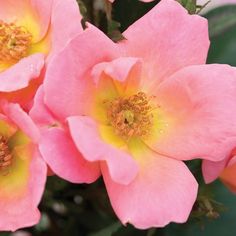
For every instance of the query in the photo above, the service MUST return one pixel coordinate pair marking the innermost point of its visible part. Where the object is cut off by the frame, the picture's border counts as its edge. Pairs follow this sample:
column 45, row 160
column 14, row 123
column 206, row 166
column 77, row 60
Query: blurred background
column 84, row 210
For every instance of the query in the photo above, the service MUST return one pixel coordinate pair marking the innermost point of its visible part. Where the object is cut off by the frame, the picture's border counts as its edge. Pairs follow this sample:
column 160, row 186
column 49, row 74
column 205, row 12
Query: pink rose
column 31, row 31
column 22, row 170
column 138, row 108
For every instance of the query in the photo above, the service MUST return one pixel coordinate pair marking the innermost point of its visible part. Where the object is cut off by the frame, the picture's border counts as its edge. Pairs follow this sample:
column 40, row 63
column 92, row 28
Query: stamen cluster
column 131, row 116
column 5, row 155
column 14, row 42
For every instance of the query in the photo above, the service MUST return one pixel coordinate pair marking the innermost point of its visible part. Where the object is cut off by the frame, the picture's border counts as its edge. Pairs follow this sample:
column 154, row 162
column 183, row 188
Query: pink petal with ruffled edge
column 65, row 78
column 19, row 75
column 65, row 23
column 211, row 170
column 118, row 69
column 55, row 28
column 20, row 198
column 21, row 211
column 168, row 39
column 37, row 10
column 42, row 10
column 39, row 112
column 84, row 132
column 23, row 121
column 204, row 126
column 163, row 191
column 64, row 159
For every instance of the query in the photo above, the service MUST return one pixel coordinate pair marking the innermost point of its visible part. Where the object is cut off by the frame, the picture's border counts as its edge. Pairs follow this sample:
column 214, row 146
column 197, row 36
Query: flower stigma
column 131, row 117
column 14, row 42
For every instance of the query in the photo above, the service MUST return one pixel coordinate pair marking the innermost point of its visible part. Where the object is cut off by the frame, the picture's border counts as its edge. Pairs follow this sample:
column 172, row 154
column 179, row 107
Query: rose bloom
column 31, row 31
column 22, row 170
column 138, row 109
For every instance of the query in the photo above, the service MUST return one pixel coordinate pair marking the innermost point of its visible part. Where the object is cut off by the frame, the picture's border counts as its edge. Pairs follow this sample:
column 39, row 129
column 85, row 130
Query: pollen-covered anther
column 5, row 154
column 14, row 42
column 131, row 116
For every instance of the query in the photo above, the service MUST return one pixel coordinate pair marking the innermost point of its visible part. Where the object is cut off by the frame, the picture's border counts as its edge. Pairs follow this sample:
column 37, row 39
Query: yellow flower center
column 5, row 154
column 14, row 42
column 132, row 116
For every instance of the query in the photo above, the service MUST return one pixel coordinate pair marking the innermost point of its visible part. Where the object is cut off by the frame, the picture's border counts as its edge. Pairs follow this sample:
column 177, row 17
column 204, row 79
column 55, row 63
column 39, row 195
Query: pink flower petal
column 118, row 69
column 232, row 160
column 19, row 75
column 204, row 127
column 42, row 10
column 71, row 81
column 9, row 11
column 22, row 120
column 168, row 39
column 21, row 210
column 36, row 10
column 228, row 175
column 211, row 170
column 65, row 23
column 64, row 159
column 163, row 191
column 122, row 167
column 39, row 112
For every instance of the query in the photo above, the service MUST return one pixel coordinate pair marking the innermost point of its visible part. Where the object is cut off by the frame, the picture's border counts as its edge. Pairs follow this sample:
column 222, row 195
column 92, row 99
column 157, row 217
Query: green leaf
column 221, row 19
column 82, row 6
column 190, row 5
column 223, row 46
column 223, row 225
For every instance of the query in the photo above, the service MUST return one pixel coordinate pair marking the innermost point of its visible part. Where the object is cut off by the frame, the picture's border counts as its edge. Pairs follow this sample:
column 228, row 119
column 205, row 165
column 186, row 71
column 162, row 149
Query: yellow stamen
column 5, row 154
column 131, row 116
column 14, row 42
